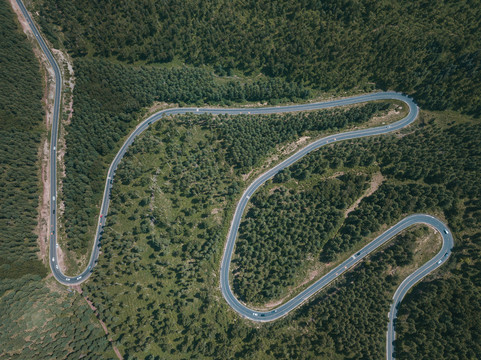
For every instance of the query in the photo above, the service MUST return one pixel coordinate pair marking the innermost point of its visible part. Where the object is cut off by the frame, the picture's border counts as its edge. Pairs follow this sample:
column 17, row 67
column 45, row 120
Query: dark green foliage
column 283, row 228
column 352, row 318
column 440, row 319
column 108, row 99
column 248, row 138
column 386, row 206
column 426, row 48
column 20, row 118
column 168, row 299
column 440, row 168
column 158, row 291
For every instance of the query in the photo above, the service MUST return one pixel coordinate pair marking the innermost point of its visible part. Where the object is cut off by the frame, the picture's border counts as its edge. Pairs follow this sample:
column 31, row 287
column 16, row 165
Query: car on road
column 440, row 261
column 79, row 278
column 53, row 259
column 255, row 314
column 56, row 267
column 446, row 231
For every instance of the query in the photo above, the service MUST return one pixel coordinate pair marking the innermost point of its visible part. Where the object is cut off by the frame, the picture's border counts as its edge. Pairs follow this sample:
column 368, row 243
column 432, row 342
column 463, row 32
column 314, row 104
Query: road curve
column 243, row 310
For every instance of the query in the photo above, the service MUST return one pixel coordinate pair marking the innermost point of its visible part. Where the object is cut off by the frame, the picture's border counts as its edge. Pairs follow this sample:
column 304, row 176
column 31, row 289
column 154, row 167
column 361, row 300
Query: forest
column 21, row 117
column 422, row 180
column 430, row 49
column 172, row 203
column 283, row 227
column 108, row 101
column 38, row 318
column 156, row 283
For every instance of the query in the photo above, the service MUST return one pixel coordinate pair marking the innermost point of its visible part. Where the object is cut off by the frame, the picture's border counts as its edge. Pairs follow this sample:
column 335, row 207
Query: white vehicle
column 53, row 198
column 54, row 148
column 53, row 259
column 440, row 261
column 255, row 314
column 67, row 279
column 56, row 267
column 446, row 231
column 79, row 278
column 196, row 109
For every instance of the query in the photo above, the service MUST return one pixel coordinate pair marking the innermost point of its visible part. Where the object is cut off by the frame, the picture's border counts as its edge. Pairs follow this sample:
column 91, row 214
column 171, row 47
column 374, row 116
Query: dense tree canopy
column 20, row 120
column 427, row 48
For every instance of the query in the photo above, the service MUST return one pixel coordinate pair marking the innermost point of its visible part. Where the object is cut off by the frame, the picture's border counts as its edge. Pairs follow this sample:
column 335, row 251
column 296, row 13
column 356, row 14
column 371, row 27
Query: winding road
column 240, row 308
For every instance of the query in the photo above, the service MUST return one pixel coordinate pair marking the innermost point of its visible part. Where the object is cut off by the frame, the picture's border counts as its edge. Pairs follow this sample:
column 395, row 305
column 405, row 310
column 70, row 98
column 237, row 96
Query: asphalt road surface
column 240, row 308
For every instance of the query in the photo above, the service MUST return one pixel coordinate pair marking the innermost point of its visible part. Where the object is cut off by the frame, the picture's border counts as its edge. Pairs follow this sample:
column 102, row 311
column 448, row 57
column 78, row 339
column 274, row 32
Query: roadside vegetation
column 295, row 226
column 285, row 229
column 156, row 284
column 38, row 319
column 171, row 206
column 108, row 100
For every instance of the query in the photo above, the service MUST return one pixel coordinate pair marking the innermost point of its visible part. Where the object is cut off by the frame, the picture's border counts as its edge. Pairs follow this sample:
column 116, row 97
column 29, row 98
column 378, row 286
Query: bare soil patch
column 43, row 212
column 376, row 181
column 289, row 148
